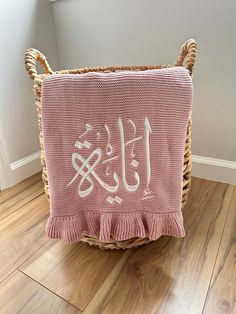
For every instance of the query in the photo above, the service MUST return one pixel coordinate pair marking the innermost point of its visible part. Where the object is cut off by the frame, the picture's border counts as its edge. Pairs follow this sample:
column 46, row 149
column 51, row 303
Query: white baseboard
column 20, row 170
column 25, row 161
column 25, row 167
column 214, row 169
column 203, row 167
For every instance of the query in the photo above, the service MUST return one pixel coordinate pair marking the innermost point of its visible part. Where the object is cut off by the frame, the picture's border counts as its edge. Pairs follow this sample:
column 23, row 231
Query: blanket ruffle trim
column 107, row 226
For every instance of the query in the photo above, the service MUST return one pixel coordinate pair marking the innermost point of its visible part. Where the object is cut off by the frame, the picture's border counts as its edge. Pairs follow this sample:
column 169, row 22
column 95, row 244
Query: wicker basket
column 188, row 53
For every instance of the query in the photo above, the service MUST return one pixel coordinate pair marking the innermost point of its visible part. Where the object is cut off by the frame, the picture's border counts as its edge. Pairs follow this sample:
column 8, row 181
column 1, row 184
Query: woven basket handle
column 31, row 57
column 188, row 53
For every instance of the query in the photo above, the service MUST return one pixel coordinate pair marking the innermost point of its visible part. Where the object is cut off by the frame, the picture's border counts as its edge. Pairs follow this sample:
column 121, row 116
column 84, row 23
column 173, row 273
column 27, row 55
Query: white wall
column 111, row 32
column 23, row 24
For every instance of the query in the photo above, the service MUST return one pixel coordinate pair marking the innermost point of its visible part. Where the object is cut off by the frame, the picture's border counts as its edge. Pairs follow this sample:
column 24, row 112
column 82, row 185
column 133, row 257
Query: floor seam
column 49, row 289
column 217, row 254
column 17, row 268
column 130, row 254
column 22, row 206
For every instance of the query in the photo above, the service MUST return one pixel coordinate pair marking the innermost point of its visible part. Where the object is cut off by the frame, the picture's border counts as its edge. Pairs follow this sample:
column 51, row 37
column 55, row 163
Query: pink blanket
column 114, row 146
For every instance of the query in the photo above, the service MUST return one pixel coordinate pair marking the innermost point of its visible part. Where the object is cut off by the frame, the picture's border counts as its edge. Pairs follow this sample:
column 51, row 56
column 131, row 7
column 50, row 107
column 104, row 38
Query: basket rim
column 108, row 69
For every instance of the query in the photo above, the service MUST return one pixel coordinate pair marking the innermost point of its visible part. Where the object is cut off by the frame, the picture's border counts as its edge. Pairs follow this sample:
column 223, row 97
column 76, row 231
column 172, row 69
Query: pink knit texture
column 114, row 147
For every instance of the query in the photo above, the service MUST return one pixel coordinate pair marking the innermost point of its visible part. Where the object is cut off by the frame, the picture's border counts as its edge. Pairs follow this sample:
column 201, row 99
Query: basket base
column 113, row 244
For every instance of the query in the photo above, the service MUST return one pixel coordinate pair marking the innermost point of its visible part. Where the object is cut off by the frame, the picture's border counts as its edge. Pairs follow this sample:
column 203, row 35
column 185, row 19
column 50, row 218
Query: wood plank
column 22, row 233
column 73, row 271
column 20, row 294
column 19, row 195
column 108, row 283
column 172, row 275
column 222, row 292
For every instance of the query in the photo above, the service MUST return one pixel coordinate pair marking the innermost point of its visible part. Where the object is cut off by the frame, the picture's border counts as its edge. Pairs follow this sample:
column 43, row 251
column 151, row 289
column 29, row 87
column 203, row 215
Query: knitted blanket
column 114, row 147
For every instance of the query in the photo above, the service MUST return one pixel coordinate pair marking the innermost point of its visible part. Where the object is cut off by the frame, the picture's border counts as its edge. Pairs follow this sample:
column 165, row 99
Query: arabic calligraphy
column 86, row 169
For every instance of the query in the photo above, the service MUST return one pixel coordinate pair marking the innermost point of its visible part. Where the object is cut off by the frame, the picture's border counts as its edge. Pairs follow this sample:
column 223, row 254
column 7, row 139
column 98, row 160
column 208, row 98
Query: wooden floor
column 195, row 274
